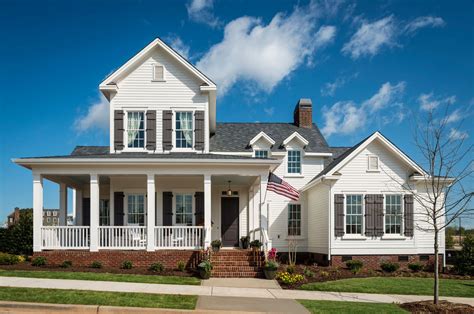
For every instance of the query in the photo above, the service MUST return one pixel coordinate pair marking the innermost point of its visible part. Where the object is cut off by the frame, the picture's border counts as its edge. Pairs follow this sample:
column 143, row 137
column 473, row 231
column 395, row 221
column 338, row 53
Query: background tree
column 443, row 191
column 18, row 239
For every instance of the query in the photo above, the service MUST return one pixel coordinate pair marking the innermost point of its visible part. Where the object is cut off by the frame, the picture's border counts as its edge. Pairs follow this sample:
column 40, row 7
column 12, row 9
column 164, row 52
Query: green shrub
column 181, row 266
column 389, row 267
column 18, row 239
column 9, row 259
column 39, row 261
column 127, row 265
column 256, row 244
column 324, row 274
column 354, row 265
column 308, row 273
column 96, row 264
column 66, row 264
column 271, row 265
column 156, row 267
column 415, row 267
column 291, row 269
column 464, row 263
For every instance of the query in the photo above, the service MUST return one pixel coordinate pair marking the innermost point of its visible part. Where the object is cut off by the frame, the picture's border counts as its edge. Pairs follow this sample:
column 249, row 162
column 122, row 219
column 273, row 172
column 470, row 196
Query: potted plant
column 245, row 242
column 255, row 245
column 205, row 268
column 270, row 269
column 216, row 245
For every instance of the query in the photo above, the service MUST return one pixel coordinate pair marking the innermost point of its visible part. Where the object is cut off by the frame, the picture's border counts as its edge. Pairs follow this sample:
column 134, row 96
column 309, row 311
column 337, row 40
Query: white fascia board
column 318, row 154
column 233, row 153
column 260, row 135
column 319, row 180
column 297, row 136
column 144, row 51
column 384, row 141
column 205, row 88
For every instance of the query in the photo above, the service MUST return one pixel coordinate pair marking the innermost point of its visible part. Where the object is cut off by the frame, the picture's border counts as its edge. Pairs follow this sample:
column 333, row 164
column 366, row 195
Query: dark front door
column 230, row 221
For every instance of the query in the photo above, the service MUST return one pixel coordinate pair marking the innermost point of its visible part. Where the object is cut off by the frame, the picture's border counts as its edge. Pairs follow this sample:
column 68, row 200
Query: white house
column 173, row 179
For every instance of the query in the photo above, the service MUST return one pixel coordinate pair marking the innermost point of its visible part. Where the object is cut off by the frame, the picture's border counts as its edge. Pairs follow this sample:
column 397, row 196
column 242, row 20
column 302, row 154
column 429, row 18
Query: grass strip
column 339, row 307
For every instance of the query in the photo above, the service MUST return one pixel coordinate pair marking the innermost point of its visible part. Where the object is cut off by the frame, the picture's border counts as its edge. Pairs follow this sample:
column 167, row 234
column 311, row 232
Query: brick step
column 236, row 268
column 252, row 274
column 236, row 263
column 233, row 258
column 237, row 253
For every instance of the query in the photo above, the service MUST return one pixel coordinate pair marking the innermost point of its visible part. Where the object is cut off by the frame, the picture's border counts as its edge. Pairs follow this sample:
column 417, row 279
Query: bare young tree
column 443, row 191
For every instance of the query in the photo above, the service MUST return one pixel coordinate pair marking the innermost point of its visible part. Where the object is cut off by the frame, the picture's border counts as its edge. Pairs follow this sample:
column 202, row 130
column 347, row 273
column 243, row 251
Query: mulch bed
column 113, row 270
column 441, row 307
column 327, row 273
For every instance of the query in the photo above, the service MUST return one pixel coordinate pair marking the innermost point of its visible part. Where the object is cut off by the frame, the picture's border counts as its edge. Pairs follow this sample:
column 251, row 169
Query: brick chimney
column 303, row 115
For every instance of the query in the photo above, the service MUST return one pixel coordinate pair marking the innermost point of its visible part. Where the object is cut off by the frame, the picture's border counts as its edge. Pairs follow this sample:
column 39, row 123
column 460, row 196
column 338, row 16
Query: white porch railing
column 122, row 237
column 64, row 237
column 179, row 237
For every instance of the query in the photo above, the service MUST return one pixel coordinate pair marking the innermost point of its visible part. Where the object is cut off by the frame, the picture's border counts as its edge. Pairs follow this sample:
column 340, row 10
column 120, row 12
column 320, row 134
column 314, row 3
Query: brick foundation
column 374, row 261
column 111, row 258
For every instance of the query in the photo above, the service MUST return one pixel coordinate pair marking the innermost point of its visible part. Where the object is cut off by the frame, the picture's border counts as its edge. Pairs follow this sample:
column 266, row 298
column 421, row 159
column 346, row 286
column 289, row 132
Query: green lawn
column 350, row 307
column 174, row 280
column 396, row 285
column 98, row 298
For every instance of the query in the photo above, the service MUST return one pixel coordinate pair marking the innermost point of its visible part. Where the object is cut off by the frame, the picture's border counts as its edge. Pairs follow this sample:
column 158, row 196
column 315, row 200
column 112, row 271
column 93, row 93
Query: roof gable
column 264, row 136
column 295, row 136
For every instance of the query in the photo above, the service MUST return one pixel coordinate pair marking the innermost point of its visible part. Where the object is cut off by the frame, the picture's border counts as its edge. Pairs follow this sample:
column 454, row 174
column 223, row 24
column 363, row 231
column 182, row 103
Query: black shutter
column 378, row 212
column 167, row 208
column 151, row 130
column 408, row 213
column 199, row 208
column 118, row 208
column 118, row 129
column 199, row 130
column 167, row 129
column 339, row 215
column 86, row 211
column 370, row 215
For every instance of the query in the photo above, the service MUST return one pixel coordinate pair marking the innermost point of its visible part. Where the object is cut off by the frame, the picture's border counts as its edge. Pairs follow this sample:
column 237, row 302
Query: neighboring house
column 173, row 179
column 51, row 217
column 13, row 218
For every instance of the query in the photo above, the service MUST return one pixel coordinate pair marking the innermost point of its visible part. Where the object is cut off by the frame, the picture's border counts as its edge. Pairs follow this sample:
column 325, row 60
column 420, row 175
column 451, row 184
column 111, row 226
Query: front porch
column 151, row 211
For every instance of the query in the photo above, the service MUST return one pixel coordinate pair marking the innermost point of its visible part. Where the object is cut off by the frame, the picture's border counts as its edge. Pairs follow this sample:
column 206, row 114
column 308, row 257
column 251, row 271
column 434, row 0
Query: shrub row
column 389, row 267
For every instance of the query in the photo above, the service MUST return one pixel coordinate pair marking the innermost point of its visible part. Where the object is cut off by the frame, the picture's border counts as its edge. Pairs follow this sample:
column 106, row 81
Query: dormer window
column 158, row 73
column 261, row 153
column 373, row 163
column 184, row 129
column 135, row 129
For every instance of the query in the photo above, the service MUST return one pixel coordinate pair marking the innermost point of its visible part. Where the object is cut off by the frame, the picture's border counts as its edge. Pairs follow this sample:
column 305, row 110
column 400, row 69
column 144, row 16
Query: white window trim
column 185, row 192
column 295, row 237
column 153, row 72
column 355, row 236
column 368, row 163
column 125, row 133
column 125, row 218
column 294, row 175
column 180, row 149
column 394, row 236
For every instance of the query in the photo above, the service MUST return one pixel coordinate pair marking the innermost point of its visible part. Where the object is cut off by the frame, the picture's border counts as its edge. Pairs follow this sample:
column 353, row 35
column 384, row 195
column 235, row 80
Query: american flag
column 277, row 185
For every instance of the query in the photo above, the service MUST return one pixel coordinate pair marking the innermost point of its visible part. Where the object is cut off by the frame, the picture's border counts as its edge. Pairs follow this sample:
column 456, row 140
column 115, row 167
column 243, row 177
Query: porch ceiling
column 235, row 180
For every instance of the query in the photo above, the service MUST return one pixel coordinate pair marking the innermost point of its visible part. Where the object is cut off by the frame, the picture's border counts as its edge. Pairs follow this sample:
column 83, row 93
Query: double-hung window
column 393, row 214
column 104, row 213
column 354, row 214
column 294, row 219
column 136, row 209
column 135, row 129
column 261, row 153
column 184, row 209
column 184, row 129
column 294, row 161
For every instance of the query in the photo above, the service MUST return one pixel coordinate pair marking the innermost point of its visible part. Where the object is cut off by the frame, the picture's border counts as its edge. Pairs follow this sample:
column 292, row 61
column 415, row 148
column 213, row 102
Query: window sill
column 353, row 237
column 393, row 237
column 295, row 238
column 159, row 81
column 374, row 171
column 293, row 176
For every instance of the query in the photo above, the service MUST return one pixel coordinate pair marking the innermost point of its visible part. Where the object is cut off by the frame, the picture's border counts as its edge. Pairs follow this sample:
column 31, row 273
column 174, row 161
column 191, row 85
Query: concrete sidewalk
column 216, row 291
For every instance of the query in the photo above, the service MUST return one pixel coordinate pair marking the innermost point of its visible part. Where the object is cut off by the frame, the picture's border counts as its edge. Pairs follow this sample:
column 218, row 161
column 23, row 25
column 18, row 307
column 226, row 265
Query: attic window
column 373, row 163
column 158, row 73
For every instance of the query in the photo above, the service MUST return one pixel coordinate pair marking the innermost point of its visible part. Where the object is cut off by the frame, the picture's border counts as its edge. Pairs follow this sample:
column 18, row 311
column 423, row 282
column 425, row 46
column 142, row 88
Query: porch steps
column 237, row 263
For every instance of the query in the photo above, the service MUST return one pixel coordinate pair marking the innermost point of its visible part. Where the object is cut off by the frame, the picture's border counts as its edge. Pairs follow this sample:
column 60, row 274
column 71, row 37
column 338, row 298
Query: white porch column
column 78, row 201
column 37, row 211
column 74, row 204
column 207, row 211
column 62, row 204
column 94, row 215
column 150, row 220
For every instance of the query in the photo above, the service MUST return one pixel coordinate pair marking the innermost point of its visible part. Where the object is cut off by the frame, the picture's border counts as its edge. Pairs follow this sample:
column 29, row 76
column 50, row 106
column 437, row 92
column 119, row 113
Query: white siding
column 318, row 215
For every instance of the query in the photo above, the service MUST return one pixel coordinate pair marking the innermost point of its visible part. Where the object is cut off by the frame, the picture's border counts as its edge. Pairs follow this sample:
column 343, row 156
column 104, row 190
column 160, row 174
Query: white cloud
column 265, row 54
column 97, row 117
column 200, row 11
column 346, row 117
column 428, row 102
column 269, row 111
column 371, row 37
column 329, row 88
column 458, row 135
column 454, row 116
column 424, row 21
column 177, row 44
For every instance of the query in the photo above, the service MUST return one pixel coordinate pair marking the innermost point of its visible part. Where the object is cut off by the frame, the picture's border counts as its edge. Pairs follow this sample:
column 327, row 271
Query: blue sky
column 366, row 65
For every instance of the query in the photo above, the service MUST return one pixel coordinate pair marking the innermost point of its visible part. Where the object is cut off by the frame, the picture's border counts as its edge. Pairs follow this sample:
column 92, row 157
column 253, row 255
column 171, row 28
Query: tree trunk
column 436, row 272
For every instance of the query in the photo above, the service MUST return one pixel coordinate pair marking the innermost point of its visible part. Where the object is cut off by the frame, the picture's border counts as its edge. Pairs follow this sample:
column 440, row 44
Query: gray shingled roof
column 235, row 137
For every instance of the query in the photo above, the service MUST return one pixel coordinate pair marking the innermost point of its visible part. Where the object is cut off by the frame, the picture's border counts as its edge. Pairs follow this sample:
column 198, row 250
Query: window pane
column 294, row 219
column 354, row 214
column 135, row 129
column 136, row 209
column 294, row 161
column 261, row 154
column 184, row 209
column 393, row 214
column 184, row 129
